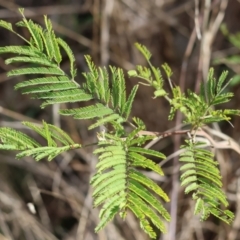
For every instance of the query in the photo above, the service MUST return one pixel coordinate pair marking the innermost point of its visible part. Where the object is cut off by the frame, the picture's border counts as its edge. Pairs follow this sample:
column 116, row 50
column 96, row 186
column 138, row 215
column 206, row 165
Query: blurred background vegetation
column 185, row 34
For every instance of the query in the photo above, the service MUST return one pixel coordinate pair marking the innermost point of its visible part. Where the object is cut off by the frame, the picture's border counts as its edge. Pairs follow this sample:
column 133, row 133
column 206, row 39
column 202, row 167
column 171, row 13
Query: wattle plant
column 119, row 185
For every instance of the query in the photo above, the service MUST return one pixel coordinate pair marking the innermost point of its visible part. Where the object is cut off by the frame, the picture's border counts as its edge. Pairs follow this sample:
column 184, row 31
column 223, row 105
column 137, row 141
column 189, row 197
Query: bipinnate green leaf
column 119, row 185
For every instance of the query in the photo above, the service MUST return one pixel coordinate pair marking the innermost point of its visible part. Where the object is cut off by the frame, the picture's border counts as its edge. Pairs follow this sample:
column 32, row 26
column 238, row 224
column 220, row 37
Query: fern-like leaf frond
column 202, row 177
column 11, row 139
column 119, row 186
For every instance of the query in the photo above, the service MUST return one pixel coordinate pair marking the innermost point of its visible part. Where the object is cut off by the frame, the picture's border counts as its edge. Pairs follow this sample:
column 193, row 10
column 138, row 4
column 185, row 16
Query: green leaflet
column 53, row 48
column 89, row 112
column 128, row 106
column 38, row 70
column 114, row 180
column 42, row 81
column 46, row 89
column 21, row 50
column 100, row 177
column 103, row 85
column 198, row 206
column 9, row 147
column 121, row 90
column 118, row 89
column 114, row 201
column 76, row 94
column 71, row 57
column 140, row 161
column 139, row 141
column 104, row 120
column 112, row 211
column 64, row 97
column 109, row 161
column 132, row 135
column 111, row 154
column 144, row 223
column 91, row 77
column 191, row 187
column 109, row 148
column 188, row 180
column 34, row 30
column 108, row 193
column 35, row 60
column 107, row 165
column 147, row 152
